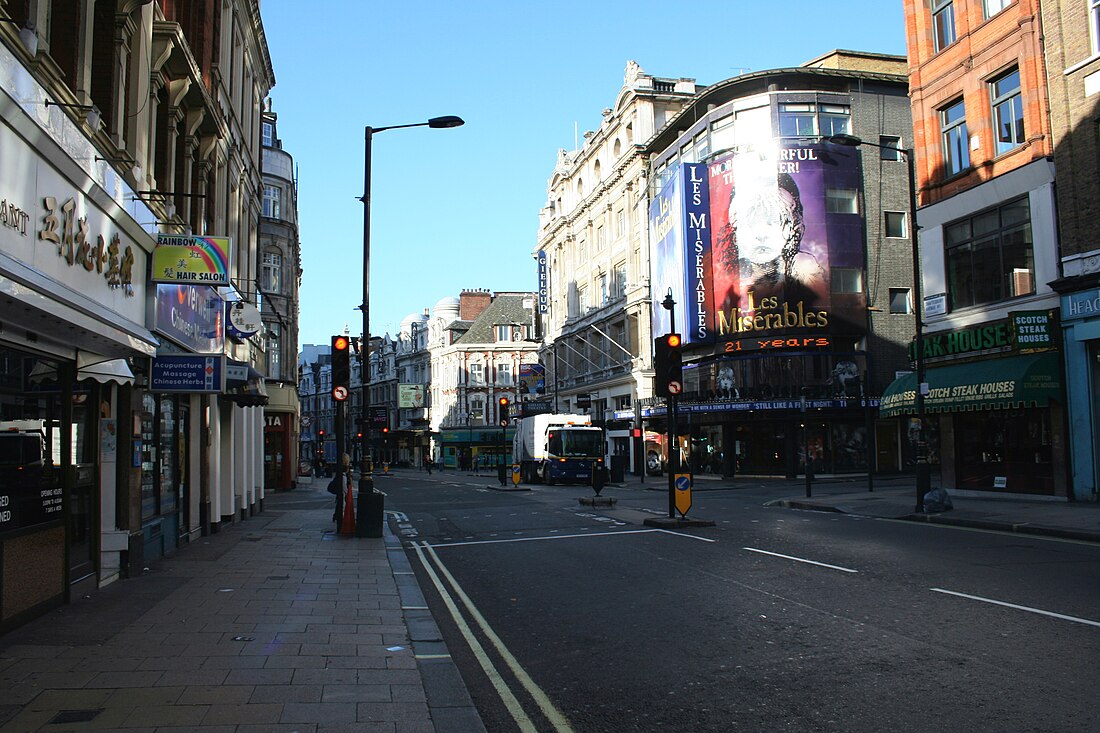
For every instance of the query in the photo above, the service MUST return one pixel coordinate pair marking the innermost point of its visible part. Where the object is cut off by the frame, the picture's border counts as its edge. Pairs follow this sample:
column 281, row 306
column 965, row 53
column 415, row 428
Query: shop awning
column 102, row 369
column 247, row 392
column 1012, row 381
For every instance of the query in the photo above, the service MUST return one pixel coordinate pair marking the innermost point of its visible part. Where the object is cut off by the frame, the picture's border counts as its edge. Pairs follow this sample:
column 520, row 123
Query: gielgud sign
column 776, row 257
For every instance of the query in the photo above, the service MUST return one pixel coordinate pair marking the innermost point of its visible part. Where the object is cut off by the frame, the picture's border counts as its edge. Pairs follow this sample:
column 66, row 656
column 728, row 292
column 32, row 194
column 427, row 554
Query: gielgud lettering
column 769, row 315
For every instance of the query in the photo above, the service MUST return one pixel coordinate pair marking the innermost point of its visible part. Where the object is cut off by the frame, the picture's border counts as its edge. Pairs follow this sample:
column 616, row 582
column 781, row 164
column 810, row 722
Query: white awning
column 102, row 369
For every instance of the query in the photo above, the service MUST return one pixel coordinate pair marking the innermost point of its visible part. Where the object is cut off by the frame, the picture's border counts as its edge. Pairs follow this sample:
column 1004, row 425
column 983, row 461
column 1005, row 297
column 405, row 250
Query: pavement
column 274, row 624
column 278, row 624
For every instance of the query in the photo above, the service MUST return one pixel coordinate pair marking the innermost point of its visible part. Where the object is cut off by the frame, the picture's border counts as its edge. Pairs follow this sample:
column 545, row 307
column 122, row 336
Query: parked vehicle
column 558, row 448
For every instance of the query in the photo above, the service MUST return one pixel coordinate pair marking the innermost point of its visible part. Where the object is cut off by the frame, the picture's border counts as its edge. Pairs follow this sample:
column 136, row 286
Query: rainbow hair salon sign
column 193, row 260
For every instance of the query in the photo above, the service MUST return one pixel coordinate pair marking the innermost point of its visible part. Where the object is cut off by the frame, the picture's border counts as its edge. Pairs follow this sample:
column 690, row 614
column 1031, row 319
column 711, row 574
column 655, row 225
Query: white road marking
column 1018, row 608
column 565, row 537
column 800, row 559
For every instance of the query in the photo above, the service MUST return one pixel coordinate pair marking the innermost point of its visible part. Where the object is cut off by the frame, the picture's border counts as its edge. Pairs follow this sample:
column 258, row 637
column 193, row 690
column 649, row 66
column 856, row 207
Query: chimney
column 472, row 303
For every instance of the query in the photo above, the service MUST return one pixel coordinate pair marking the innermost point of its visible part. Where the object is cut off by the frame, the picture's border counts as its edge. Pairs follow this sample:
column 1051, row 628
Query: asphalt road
column 564, row 617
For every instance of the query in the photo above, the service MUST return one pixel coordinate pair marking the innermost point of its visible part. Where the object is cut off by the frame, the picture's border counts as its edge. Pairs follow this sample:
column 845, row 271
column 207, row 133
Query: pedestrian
column 338, row 486
column 428, row 464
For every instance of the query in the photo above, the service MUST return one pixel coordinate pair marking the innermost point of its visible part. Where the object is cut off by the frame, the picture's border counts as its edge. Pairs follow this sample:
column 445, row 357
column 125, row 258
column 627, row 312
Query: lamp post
column 923, row 470
column 366, row 482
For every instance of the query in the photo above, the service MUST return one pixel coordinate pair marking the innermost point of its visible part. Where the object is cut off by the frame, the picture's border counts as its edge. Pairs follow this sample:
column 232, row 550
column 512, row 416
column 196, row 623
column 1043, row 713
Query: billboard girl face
column 765, row 228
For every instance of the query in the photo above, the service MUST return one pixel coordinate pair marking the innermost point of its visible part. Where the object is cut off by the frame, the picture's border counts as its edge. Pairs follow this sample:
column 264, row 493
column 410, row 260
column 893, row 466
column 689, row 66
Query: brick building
column 988, row 239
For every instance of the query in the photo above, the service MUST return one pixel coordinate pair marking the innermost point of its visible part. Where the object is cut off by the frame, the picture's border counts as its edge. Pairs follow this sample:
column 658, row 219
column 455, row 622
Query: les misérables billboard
column 784, row 258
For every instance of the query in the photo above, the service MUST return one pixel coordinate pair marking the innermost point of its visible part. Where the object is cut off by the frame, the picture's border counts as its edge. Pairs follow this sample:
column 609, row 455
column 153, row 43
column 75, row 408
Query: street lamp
column 923, row 472
column 366, row 482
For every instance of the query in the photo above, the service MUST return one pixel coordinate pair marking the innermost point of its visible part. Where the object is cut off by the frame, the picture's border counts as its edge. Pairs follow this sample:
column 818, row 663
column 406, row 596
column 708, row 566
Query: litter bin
column 618, row 469
column 371, row 510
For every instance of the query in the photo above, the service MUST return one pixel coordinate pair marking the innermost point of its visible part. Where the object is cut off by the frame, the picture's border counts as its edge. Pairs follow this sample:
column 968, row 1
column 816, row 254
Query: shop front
column 1000, row 422
column 1081, row 343
column 475, row 448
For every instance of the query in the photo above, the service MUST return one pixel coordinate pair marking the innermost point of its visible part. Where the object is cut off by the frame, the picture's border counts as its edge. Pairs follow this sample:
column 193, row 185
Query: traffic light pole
column 673, row 462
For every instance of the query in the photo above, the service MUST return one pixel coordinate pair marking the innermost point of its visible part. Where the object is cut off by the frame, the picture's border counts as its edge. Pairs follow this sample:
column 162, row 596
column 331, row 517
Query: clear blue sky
column 453, row 209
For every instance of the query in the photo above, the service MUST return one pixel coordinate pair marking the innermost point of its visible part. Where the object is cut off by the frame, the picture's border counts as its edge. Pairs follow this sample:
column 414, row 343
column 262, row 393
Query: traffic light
column 502, row 411
column 668, row 365
column 341, row 364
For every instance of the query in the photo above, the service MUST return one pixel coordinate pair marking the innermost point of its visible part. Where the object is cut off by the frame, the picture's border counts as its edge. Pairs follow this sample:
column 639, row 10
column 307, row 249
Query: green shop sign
column 1021, row 331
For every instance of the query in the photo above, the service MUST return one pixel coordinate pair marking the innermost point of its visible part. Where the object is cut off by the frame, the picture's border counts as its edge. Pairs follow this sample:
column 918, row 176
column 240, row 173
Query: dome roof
column 413, row 318
column 447, row 305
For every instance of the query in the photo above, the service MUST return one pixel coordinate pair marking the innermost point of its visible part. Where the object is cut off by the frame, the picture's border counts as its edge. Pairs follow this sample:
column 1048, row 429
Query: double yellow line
column 430, row 560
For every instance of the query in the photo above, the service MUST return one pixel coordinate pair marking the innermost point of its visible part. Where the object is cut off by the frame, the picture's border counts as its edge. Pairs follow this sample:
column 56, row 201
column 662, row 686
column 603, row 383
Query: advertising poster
column 667, row 260
column 776, row 247
column 410, row 395
column 532, row 379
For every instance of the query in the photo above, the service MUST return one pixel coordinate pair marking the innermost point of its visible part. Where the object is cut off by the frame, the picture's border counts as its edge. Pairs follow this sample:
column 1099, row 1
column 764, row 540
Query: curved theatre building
column 788, row 259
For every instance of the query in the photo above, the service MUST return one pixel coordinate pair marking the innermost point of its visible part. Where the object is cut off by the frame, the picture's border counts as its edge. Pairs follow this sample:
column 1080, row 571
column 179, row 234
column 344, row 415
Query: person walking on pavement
column 339, row 485
column 428, row 464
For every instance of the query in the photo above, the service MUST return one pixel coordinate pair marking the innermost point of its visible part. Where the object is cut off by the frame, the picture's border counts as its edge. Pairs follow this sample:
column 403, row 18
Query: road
column 563, row 617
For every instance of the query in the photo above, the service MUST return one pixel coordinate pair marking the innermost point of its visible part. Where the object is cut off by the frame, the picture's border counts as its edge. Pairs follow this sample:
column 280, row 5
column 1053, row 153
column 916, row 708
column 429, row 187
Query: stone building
column 593, row 256
column 122, row 122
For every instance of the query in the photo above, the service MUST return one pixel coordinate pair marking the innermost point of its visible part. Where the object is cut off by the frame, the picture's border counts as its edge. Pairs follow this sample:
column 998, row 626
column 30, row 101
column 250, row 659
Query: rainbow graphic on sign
column 193, row 260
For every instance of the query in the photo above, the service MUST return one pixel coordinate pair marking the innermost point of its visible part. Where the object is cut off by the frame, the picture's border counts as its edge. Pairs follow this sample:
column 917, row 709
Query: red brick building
column 988, row 240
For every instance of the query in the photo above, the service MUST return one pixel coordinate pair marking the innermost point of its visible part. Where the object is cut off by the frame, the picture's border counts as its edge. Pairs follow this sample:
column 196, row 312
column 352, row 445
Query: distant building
column 478, row 343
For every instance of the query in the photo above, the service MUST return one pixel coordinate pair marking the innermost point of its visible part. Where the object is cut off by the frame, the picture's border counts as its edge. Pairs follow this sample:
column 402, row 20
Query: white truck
column 558, row 448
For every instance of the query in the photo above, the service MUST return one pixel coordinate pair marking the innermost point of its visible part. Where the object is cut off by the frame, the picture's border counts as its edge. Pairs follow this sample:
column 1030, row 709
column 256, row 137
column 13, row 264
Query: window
column 956, row 154
column 901, row 301
column 601, row 238
column 477, row 410
column 618, row 283
column 504, row 374
column 808, row 120
column 943, row 23
column 835, row 119
column 274, row 341
column 620, row 223
column 269, row 134
column 272, row 273
column 894, row 224
column 989, row 255
column 847, row 280
column 1008, row 111
column 1094, row 25
column 889, row 147
column 477, row 373
column 797, row 120
column 273, row 197
column 504, row 332
column 841, row 201
column 992, row 7
column 582, row 300
column 604, row 292
column 721, row 132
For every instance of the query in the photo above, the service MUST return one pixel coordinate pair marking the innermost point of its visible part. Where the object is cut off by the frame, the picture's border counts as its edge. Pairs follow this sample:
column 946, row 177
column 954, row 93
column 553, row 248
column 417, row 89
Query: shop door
column 887, row 447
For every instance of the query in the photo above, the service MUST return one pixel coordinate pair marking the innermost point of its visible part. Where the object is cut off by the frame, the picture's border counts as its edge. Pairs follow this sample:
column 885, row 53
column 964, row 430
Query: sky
column 457, row 209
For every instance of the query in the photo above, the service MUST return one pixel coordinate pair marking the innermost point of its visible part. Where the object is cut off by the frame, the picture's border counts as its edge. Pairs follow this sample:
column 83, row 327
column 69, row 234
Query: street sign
column 682, row 484
column 339, row 393
column 515, row 474
column 675, row 387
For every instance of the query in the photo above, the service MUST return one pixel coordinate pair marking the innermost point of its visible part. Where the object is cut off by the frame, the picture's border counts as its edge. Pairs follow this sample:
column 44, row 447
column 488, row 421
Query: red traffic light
column 340, row 343
column 321, row 433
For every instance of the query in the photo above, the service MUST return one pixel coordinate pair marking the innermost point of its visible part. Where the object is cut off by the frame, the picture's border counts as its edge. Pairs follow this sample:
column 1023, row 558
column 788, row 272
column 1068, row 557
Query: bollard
column 372, row 506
